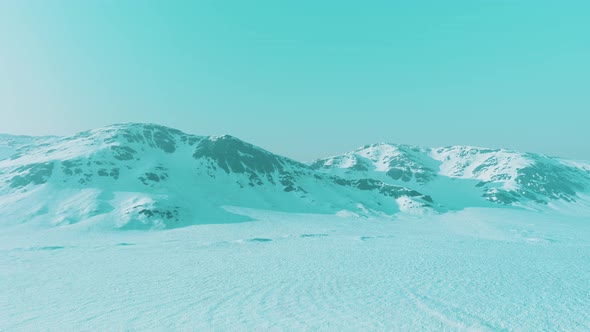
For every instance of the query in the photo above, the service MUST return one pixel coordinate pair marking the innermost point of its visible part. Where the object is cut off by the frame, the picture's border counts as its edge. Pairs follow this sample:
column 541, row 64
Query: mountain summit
column 141, row 176
column 456, row 175
column 145, row 176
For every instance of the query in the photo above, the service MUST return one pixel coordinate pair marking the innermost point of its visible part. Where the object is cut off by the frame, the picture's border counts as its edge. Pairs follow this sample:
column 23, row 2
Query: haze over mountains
column 145, row 176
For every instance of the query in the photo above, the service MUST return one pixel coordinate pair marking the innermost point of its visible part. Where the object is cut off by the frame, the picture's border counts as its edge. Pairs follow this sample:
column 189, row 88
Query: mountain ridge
column 122, row 125
column 149, row 176
column 145, row 176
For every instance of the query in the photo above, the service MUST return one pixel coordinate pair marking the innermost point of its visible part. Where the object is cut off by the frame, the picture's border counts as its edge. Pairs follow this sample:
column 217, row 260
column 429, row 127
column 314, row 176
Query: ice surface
column 477, row 269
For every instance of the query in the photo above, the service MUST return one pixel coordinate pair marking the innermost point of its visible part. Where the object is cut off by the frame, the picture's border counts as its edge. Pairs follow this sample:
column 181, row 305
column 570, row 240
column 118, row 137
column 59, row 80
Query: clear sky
column 304, row 78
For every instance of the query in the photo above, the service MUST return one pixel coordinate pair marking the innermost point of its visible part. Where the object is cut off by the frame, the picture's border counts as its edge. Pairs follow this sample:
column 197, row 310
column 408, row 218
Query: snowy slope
column 323, row 253
column 463, row 176
column 139, row 176
column 10, row 144
column 144, row 176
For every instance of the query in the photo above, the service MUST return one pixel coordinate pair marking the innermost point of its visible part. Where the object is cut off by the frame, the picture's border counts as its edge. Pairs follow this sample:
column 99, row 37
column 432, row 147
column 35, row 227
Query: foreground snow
column 481, row 269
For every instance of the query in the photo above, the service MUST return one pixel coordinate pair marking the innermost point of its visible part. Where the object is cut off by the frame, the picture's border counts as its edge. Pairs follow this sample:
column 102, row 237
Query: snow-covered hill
column 9, row 144
column 462, row 176
column 143, row 176
column 140, row 176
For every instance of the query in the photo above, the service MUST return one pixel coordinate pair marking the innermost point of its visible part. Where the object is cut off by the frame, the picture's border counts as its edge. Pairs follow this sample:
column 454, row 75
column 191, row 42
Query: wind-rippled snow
column 478, row 269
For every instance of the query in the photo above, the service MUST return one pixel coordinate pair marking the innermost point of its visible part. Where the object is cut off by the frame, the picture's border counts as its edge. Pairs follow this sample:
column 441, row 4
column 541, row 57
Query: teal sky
column 304, row 78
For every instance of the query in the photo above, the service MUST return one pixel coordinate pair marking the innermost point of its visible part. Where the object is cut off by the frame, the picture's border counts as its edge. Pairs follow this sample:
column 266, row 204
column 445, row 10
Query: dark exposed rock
column 123, row 152
column 32, row 174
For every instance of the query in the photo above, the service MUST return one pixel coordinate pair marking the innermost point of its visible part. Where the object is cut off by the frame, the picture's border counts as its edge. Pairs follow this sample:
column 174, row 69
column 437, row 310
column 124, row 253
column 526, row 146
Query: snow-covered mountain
column 461, row 176
column 139, row 176
column 9, row 144
column 143, row 176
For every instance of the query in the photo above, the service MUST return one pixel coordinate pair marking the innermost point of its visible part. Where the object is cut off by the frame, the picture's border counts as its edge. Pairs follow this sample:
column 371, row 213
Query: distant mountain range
column 145, row 176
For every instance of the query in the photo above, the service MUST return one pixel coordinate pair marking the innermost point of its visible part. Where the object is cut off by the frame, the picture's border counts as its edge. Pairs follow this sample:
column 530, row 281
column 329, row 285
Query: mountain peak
column 224, row 137
column 501, row 175
column 134, row 126
column 145, row 175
